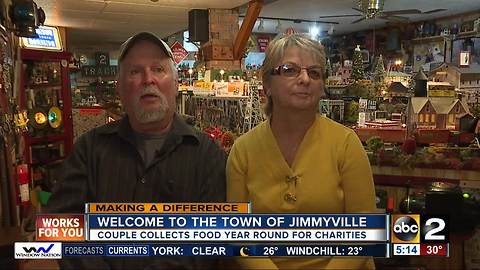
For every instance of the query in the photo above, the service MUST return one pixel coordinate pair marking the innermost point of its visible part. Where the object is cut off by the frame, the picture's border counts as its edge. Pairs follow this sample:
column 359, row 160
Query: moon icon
column 244, row 252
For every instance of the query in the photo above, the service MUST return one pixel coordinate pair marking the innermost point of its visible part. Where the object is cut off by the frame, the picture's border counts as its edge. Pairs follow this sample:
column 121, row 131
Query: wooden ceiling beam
column 254, row 8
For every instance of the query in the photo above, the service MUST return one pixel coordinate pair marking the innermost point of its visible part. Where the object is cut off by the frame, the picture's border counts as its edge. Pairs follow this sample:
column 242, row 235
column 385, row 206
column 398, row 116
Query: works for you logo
column 38, row 250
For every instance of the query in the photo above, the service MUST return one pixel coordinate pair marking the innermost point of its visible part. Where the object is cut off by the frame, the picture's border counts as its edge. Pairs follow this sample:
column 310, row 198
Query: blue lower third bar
column 76, row 249
column 223, row 250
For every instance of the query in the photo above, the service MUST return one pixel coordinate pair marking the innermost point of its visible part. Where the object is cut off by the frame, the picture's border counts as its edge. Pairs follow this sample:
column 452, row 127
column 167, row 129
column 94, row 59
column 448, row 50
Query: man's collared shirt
column 106, row 166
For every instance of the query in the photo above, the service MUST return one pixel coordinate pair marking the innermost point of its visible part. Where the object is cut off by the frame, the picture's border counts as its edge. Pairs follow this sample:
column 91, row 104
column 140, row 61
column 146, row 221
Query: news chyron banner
column 420, row 235
column 205, row 229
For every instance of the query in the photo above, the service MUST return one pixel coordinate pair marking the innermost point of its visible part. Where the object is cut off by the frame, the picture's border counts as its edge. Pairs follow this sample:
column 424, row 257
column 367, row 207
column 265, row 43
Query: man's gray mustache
column 150, row 91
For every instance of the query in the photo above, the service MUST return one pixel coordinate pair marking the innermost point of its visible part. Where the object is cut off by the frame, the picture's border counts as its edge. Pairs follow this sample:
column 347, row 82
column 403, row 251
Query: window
column 420, row 118
column 433, row 118
column 457, row 108
column 451, row 119
column 427, row 118
column 427, row 108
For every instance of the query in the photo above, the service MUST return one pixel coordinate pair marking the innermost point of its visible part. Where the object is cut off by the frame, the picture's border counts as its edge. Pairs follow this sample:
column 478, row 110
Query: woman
column 298, row 161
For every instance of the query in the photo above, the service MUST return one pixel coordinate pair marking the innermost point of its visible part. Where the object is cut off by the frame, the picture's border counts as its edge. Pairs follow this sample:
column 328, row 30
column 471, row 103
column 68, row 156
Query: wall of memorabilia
column 10, row 125
column 45, row 98
column 93, row 77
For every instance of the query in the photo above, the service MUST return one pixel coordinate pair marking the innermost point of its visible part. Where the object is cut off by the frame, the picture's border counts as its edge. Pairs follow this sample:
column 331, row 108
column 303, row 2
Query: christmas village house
column 465, row 80
column 397, row 92
column 397, row 76
column 435, row 112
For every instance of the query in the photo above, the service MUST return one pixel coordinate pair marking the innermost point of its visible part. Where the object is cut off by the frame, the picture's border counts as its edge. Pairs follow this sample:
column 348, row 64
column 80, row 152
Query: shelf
column 47, row 139
column 49, row 161
column 386, row 175
column 44, row 85
column 467, row 34
column 431, row 39
column 220, row 97
column 449, row 37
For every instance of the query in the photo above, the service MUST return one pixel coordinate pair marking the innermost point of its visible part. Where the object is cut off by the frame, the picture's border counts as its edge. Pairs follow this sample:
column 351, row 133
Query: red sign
column 263, row 43
column 179, row 53
column 90, row 111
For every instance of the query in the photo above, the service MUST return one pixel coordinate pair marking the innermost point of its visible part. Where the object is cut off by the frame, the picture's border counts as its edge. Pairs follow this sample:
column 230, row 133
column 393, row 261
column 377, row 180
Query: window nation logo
column 38, row 250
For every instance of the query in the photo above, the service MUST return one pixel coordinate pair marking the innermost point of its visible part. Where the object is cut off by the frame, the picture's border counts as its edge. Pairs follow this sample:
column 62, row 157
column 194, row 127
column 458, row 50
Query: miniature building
column 365, row 82
column 440, row 89
column 420, row 84
column 435, row 112
column 396, row 76
column 333, row 109
column 466, row 80
column 464, row 121
column 335, row 91
column 380, row 121
column 397, row 89
column 334, row 80
column 345, row 73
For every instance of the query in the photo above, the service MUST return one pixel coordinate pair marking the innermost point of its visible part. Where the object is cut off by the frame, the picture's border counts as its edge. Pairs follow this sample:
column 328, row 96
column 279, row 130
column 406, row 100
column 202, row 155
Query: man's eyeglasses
column 292, row 70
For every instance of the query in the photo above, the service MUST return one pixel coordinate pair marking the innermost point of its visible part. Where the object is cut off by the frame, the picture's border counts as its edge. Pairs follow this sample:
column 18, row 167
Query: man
column 151, row 155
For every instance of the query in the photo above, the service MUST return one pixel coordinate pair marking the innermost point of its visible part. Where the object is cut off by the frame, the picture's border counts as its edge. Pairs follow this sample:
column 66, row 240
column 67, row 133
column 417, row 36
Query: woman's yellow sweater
column 330, row 174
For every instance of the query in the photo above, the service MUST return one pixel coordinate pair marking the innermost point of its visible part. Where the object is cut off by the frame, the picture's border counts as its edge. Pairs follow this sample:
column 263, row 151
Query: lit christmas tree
column 358, row 72
column 328, row 69
column 379, row 77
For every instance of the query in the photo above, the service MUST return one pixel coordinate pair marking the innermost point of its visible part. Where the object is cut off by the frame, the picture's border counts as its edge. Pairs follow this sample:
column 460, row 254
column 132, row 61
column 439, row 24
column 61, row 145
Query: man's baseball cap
column 125, row 47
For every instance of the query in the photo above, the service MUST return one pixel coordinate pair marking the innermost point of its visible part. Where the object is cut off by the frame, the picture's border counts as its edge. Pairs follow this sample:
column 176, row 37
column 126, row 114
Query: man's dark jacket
column 105, row 166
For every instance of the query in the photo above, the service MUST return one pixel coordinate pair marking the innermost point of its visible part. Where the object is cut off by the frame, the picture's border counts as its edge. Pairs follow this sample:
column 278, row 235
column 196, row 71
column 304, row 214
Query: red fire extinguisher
column 23, row 180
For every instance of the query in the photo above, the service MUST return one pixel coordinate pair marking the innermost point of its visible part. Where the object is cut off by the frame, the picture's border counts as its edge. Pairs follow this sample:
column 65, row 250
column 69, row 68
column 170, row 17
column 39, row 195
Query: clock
column 406, row 249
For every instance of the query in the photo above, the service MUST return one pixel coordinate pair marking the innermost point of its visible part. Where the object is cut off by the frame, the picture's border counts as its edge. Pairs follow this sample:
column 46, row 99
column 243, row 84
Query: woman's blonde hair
column 276, row 50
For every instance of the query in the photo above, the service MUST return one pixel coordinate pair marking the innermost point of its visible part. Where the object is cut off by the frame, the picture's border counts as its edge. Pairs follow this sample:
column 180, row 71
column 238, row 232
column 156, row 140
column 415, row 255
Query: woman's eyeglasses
column 292, row 70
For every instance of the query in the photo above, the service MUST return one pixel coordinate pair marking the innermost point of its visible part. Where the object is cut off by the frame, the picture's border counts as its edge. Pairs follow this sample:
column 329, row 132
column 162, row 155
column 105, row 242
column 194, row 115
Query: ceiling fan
column 370, row 9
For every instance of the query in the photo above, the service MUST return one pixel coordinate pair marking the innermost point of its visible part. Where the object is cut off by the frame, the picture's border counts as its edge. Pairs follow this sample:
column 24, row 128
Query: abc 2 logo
column 414, row 229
